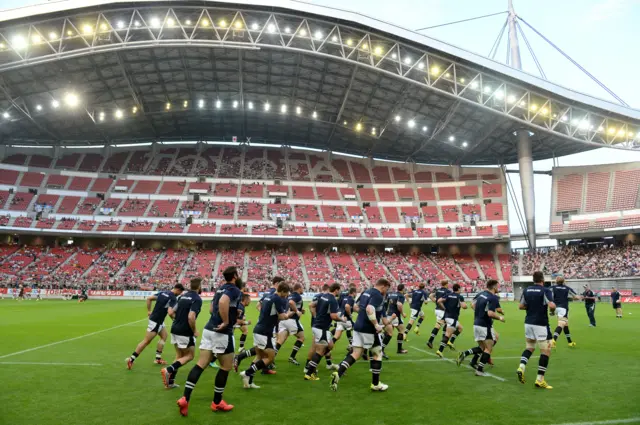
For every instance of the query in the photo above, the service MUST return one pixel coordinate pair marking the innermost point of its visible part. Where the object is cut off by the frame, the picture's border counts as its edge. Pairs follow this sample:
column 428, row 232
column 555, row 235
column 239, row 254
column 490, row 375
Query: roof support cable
column 461, row 21
column 533, row 54
column 496, row 44
column 516, row 204
column 580, row 67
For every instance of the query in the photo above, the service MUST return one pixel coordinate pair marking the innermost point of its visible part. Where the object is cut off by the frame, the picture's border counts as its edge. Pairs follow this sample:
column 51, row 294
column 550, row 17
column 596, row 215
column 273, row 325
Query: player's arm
column 150, row 299
column 463, row 304
column 401, row 309
column 333, row 312
column 172, row 311
column 292, row 307
column 371, row 315
column 312, row 308
column 432, row 297
column 492, row 311
column 440, row 303
column 223, row 311
column 523, row 303
column 550, row 302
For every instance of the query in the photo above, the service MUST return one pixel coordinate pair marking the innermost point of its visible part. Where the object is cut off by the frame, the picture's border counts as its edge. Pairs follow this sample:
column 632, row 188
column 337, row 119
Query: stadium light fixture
column 71, row 99
column 222, row 23
column 378, row 51
column 358, row 126
column 134, row 110
column 38, row 107
column 487, row 89
column 421, row 65
column 344, row 122
column 204, row 23
column 118, row 114
column 218, row 104
column 87, row 29
column 255, row 26
column 447, row 75
column 601, row 129
column 407, row 60
column 585, row 124
column 2, row 46
column 630, row 134
column 523, row 104
column 55, row 103
column 465, row 144
column 511, row 99
column 283, row 109
column 394, row 56
column 167, row 106
column 373, row 131
column 18, row 42
column 499, row 94
column 303, row 32
column 235, row 104
column 201, row 103
column 287, row 30
column 365, row 46
column 319, row 35
column 120, row 24
column 435, row 70
column 544, row 111
column 462, row 80
column 411, row 123
column 474, row 85
column 533, row 107
column 101, row 116
column 315, row 114
column 612, row 130
column 185, row 104
column 250, row 105
column 171, row 22
column 136, row 23
column 398, row 118
column 6, row 115
column 349, row 42
column 104, row 27
column 334, row 38
column 452, row 139
column 424, row 129
column 36, row 39
column 298, row 110
column 237, row 24
column 271, row 28
column 267, row 107
column 621, row 132
column 188, row 22
column 53, row 36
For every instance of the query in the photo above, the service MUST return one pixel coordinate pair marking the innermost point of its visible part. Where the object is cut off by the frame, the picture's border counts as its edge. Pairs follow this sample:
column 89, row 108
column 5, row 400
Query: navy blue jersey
column 235, row 298
column 189, row 301
column 418, row 297
column 561, row 295
column 164, row 300
column 347, row 301
column 452, row 304
column 440, row 293
column 485, row 302
column 374, row 298
column 537, row 299
column 343, row 294
column 297, row 300
column 325, row 306
column 615, row 297
column 395, row 298
column 240, row 311
column 314, row 300
column 269, row 291
column 588, row 293
column 272, row 305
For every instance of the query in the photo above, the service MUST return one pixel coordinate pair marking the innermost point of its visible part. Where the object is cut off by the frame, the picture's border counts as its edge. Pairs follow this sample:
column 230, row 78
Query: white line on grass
column 611, row 422
column 467, row 366
column 50, row 364
column 69, row 340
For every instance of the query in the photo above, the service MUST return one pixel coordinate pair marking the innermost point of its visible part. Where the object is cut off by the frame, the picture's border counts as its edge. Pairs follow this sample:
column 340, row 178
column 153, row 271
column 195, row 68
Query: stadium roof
column 278, row 72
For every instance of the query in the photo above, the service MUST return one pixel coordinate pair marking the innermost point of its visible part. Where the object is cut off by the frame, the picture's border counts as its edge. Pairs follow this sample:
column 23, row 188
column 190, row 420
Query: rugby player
column 183, row 330
column 242, row 323
column 366, row 335
column 274, row 308
column 537, row 300
column 561, row 295
column 326, row 309
column 395, row 313
column 293, row 326
column 451, row 305
column 155, row 326
column 312, row 309
column 486, row 308
column 435, row 296
column 615, row 301
column 346, row 312
column 387, row 326
column 217, row 341
column 418, row 298
column 590, row 304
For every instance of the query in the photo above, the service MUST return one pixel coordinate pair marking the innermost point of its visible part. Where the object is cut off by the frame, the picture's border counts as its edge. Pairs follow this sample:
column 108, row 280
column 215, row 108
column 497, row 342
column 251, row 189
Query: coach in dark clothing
column 590, row 304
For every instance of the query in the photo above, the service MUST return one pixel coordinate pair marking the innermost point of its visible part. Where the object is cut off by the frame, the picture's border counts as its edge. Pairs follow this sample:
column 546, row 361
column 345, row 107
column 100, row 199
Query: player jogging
column 590, row 304
column 326, row 311
column 451, row 305
column 486, row 308
column 217, row 341
column 418, row 298
column 561, row 295
column 312, row 310
column 274, row 308
column 242, row 323
column 435, row 296
column 155, row 326
column 536, row 300
column 366, row 335
column 183, row 330
column 615, row 301
column 292, row 326
column 395, row 313
column 346, row 312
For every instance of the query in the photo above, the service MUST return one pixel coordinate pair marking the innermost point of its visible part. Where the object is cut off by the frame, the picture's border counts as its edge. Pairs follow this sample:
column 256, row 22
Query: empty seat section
column 468, row 177
column 109, row 226
column 387, row 195
column 280, row 209
column 250, row 211
column 424, row 232
column 325, row 231
column 169, row 227
column 137, row 162
column 302, row 192
column 290, row 230
column 450, row 213
column 400, row 175
column 409, row 212
column 163, row 208
column 298, row 166
column 4, row 196
column 86, row 225
column 22, row 222
column 233, row 229
column 569, row 192
column 353, row 211
column 343, row 170
column 503, row 229
column 443, row 177
column 405, row 232
column 208, row 165
column 625, row 190
column 371, row 232
column 423, row 177
column 367, row 195
column 114, row 163
column 391, row 214
column 68, row 204
column 463, row 231
column 221, row 210
column 430, row 214
column 597, row 192
column 426, row 194
column 20, row 201
column 67, row 223
column 328, row 193
column 468, row 192
column 471, row 209
column 31, row 179
column 484, row 230
column 381, row 174
column 56, row 181
column 333, row 213
column 317, row 268
column 492, row 191
column 68, row 162
column 209, row 228
column 81, row 183
column 200, row 186
column 351, row 232
column 47, row 201
column 388, row 233
column 360, row 173
column 443, row 232
column 100, row 185
column 494, row 211
column 290, row 265
column 88, row 206
column 447, row 193
column 374, row 215
column 172, row 188
column 252, row 191
column 15, row 159
column 9, row 177
column 40, row 161
column 348, row 193
column 468, row 266
column 264, row 229
column 91, row 162
column 307, row 213
column 146, row 186
column 124, row 183
column 134, row 207
column 138, row 226
column 226, row 190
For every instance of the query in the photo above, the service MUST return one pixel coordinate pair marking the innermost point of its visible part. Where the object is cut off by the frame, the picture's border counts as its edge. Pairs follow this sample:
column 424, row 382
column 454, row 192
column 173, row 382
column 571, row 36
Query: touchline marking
column 50, row 364
column 69, row 340
column 467, row 366
column 614, row 421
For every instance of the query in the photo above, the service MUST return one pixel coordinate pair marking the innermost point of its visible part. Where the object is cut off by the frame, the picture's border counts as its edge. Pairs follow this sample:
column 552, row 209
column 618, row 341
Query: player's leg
column 450, row 326
column 361, row 342
column 454, row 336
column 160, row 347
column 152, row 331
column 321, row 347
column 484, row 356
column 388, row 334
column 296, row 347
column 401, row 334
column 226, row 363
column 204, row 358
column 526, row 355
column 420, row 320
column 265, row 354
column 243, row 337
column 186, row 350
column 436, row 328
column 543, row 336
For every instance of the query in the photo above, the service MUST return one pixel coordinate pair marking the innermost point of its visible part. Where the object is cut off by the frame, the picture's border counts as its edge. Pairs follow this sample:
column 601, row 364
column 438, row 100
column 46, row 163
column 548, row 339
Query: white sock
column 540, row 378
column 523, row 366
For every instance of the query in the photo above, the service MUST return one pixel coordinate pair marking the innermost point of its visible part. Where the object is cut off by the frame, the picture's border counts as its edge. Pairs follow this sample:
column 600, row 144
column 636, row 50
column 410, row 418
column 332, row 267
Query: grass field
column 63, row 363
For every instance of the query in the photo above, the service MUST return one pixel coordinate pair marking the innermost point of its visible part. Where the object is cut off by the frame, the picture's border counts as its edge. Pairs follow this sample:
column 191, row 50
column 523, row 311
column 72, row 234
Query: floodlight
column 452, row 139
column 218, row 104
column 235, row 104
column 18, row 42
column 118, row 114
column 411, row 123
column 71, row 99
column 267, row 106
column 55, row 103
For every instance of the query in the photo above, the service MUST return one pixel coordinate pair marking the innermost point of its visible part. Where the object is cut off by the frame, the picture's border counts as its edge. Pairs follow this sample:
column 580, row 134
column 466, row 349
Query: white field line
column 69, row 339
column 50, row 364
column 610, row 422
column 467, row 366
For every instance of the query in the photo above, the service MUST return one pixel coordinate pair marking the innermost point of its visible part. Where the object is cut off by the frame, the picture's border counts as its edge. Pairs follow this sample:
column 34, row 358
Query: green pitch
column 79, row 375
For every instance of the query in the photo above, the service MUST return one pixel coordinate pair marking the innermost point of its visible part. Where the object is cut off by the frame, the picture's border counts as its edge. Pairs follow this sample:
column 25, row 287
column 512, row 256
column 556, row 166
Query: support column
column 525, row 162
